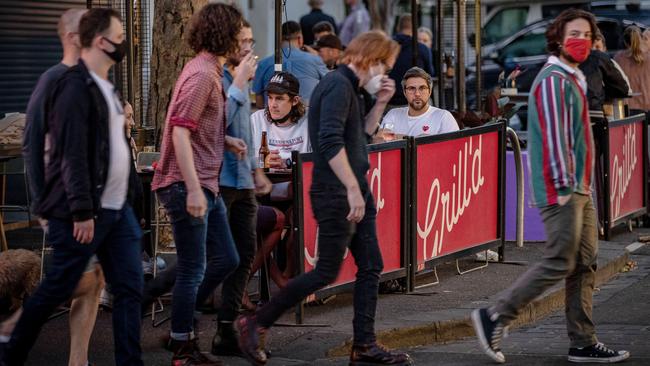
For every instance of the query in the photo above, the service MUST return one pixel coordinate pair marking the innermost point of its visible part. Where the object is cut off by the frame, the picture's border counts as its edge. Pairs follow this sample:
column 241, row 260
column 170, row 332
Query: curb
column 452, row 330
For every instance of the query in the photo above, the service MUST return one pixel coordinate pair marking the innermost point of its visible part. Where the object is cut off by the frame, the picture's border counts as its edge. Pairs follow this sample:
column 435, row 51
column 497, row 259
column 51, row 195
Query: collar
column 408, row 111
column 554, row 60
column 577, row 73
column 350, row 75
column 314, row 10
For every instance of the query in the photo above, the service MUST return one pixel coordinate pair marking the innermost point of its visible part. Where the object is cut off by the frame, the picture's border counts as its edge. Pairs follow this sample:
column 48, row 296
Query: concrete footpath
column 432, row 315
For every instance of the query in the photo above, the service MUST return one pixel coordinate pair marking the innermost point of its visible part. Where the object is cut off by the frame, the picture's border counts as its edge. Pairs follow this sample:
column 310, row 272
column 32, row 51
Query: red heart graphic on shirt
column 425, row 128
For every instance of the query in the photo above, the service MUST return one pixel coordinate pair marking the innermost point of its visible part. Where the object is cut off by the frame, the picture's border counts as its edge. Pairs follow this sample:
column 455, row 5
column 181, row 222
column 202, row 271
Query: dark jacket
column 34, row 134
column 405, row 61
column 78, row 168
column 307, row 22
column 337, row 113
column 604, row 80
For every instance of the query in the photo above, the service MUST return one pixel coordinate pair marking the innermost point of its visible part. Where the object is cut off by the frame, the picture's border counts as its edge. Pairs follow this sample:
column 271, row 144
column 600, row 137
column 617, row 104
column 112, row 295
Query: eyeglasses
column 250, row 42
column 412, row 89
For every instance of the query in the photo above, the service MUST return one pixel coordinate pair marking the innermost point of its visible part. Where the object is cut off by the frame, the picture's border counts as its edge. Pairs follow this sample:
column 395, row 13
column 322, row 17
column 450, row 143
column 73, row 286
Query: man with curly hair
column 561, row 160
column 186, row 179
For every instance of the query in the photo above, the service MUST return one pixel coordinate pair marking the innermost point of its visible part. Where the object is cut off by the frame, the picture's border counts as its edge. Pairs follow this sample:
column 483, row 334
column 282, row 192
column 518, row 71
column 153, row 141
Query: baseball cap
column 330, row 41
column 283, row 83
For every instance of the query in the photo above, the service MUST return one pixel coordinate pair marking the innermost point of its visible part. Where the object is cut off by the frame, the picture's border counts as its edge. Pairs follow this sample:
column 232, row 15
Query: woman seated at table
column 285, row 122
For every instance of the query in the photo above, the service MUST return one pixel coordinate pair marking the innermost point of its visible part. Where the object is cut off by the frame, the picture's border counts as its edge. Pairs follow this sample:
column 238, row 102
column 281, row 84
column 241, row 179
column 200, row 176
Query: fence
column 438, row 198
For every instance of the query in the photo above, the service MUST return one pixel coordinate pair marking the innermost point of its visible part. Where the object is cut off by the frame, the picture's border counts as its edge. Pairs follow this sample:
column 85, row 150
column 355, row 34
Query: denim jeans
column 242, row 216
column 197, row 238
column 117, row 245
column 336, row 233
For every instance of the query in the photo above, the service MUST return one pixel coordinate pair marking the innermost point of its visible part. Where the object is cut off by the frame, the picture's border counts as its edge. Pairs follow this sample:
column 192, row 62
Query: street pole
column 477, row 47
column 460, row 56
column 414, row 31
column 439, row 60
column 278, row 35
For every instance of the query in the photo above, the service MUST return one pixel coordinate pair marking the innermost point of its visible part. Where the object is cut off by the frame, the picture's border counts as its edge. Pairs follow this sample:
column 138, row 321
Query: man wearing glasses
column 418, row 118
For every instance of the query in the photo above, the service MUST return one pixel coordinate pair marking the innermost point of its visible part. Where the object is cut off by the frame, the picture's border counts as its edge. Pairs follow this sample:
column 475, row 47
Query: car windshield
column 505, row 23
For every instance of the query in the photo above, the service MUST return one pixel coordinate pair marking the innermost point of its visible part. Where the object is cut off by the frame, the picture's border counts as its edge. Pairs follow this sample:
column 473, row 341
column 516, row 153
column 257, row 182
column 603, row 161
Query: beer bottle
column 264, row 154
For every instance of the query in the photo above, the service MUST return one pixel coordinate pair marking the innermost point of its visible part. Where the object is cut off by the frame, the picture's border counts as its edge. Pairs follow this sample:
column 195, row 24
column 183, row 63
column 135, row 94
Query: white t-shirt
column 433, row 122
column 117, row 182
column 282, row 138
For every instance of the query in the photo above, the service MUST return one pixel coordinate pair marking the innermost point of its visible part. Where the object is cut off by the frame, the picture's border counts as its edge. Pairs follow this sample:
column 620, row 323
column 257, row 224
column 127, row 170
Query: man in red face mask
column 561, row 160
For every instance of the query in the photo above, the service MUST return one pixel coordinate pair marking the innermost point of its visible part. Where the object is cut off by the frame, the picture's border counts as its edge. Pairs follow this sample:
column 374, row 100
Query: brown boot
column 187, row 353
column 376, row 354
column 251, row 339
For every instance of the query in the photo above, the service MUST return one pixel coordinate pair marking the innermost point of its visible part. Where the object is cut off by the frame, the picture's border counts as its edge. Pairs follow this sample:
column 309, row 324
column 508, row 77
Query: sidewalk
column 434, row 314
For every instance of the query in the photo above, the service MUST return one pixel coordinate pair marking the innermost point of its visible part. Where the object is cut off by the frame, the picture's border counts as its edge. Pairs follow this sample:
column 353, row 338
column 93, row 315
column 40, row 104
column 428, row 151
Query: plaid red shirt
column 198, row 104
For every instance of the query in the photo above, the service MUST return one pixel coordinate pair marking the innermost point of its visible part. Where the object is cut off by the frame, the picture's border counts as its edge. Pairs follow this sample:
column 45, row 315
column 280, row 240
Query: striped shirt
column 198, row 104
column 560, row 142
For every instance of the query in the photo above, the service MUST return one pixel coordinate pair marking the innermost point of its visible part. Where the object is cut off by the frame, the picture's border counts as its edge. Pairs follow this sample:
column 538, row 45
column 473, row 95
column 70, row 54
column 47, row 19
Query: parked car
column 527, row 49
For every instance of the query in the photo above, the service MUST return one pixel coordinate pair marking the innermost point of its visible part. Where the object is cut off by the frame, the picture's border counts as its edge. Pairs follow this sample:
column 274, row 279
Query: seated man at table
column 285, row 122
column 419, row 117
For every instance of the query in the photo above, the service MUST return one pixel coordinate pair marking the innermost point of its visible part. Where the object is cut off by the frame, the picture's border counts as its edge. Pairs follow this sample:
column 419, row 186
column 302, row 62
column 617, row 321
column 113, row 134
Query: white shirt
column 117, row 181
column 432, row 122
column 285, row 139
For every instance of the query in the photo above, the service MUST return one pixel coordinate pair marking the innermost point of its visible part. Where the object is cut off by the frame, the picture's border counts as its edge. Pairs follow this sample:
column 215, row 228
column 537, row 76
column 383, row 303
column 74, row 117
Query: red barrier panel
column 458, row 194
column 387, row 182
column 625, row 175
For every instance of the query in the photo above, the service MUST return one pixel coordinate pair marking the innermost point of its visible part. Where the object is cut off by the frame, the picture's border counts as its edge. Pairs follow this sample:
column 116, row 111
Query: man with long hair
column 186, row 179
column 561, row 160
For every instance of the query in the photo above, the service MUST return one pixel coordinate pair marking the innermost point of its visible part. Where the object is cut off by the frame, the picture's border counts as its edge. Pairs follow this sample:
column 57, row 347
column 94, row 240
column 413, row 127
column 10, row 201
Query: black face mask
column 120, row 50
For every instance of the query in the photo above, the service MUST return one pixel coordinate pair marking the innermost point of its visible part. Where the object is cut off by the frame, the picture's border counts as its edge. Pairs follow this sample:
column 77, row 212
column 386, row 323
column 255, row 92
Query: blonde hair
column 370, row 48
column 632, row 37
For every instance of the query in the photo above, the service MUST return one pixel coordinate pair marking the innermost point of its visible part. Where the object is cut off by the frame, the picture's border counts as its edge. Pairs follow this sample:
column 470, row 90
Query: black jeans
column 117, row 245
column 330, row 207
column 241, row 205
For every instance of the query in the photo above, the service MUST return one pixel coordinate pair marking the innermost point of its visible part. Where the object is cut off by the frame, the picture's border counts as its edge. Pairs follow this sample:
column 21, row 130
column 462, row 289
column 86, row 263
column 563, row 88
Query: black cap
column 283, row 83
column 330, row 41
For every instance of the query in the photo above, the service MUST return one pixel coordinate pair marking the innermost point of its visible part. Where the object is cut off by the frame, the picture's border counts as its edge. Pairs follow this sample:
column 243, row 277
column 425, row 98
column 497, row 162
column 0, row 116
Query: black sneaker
column 489, row 332
column 597, row 353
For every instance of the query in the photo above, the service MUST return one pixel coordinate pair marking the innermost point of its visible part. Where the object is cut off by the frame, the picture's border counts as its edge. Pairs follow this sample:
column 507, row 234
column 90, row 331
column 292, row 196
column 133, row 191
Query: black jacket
column 78, row 168
column 337, row 113
column 604, row 80
column 307, row 22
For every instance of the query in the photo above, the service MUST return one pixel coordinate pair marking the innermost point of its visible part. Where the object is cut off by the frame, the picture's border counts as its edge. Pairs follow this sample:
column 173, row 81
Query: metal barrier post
column 514, row 141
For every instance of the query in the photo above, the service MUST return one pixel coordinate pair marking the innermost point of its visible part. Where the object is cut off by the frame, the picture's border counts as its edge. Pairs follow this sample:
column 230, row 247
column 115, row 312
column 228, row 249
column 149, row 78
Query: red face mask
column 577, row 48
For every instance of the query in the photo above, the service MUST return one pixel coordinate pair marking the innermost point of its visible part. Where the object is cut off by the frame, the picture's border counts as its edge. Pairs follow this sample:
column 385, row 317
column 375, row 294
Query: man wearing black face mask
column 89, row 181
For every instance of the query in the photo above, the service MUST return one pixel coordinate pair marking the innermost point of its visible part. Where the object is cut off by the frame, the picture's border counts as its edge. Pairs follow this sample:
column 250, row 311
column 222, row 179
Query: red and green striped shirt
column 560, row 143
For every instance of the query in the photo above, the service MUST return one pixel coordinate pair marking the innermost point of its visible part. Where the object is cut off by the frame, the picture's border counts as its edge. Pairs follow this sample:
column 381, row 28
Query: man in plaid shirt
column 186, row 180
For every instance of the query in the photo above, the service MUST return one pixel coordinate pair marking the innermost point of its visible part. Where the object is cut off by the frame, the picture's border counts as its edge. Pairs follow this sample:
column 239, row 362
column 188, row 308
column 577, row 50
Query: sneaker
column 489, row 332
column 251, row 339
column 187, row 353
column 147, row 269
column 597, row 353
column 376, row 354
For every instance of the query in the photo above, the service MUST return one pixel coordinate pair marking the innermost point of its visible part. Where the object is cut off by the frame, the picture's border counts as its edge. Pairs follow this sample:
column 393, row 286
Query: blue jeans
column 335, row 234
column 117, row 245
column 197, row 239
